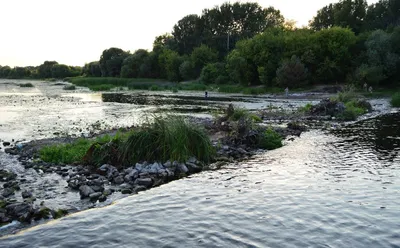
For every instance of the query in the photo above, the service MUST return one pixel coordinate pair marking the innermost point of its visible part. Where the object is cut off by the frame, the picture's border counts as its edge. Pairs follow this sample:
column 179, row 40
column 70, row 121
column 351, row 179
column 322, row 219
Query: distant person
column 206, row 94
column 370, row 89
column 365, row 86
column 287, row 91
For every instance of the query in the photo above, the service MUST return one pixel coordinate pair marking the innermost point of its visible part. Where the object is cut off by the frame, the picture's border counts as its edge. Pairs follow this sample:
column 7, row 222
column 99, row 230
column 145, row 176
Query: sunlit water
column 326, row 189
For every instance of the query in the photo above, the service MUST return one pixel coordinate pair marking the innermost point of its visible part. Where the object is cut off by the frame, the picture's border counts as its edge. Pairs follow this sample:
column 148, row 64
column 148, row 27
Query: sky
column 75, row 32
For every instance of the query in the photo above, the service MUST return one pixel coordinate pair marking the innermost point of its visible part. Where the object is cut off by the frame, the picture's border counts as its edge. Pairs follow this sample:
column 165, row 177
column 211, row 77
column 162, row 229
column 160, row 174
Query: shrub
column 238, row 114
column 211, row 72
column 69, row 87
column 351, row 112
column 395, row 100
column 347, row 95
column 292, row 73
column 26, row 85
column 270, row 140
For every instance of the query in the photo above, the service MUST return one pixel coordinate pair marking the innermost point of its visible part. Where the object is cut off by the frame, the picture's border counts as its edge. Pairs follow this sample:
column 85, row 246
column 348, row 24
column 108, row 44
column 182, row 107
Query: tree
column 131, row 67
column 214, row 73
column 60, row 71
column 19, row 72
column 92, row 69
column 44, row 70
column 111, row 62
column 345, row 13
column 200, row 57
column 292, row 73
column 170, row 62
column 382, row 15
column 186, row 70
column 187, row 33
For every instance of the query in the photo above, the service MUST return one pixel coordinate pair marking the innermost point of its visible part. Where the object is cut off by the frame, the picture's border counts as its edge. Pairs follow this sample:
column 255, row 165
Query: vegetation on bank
column 395, row 101
column 26, row 85
column 348, row 41
column 163, row 139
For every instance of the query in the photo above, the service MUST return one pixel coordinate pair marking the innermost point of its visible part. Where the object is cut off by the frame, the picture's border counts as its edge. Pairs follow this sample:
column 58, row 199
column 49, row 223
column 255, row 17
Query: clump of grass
column 65, row 153
column 351, row 112
column 26, row 85
column 69, row 87
column 306, row 108
column 175, row 90
column 270, row 140
column 70, row 153
column 347, row 95
column 170, row 138
column 395, row 101
column 239, row 113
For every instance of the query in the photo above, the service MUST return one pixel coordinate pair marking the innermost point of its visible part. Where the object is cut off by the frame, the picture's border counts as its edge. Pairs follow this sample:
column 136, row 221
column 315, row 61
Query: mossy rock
column 59, row 213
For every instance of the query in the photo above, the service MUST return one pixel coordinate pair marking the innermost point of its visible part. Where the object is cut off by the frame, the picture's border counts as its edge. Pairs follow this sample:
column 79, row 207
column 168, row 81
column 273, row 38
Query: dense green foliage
column 244, row 43
column 395, row 100
column 270, row 140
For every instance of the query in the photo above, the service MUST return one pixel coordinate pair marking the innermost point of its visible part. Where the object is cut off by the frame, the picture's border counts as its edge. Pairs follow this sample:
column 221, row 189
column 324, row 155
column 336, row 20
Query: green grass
column 351, row 112
column 230, row 89
column 306, row 108
column 170, row 138
column 101, row 87
column 193, row 87
column 254, row 91
column 395, row 101
column 70, row 153
column 26, row 85
column 270, row 140
column 69, row 87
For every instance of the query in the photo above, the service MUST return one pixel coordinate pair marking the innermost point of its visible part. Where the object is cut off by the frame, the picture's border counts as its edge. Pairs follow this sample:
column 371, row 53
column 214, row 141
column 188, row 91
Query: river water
column 337, row 188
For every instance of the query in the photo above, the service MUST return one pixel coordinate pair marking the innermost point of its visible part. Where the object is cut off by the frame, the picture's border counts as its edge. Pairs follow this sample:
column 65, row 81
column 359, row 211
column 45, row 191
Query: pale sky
column 74, row 32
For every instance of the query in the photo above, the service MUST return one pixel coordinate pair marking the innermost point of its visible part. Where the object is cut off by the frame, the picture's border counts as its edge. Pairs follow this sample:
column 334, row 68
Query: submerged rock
column 7, row 192
column 95, row 196
column 26, row 194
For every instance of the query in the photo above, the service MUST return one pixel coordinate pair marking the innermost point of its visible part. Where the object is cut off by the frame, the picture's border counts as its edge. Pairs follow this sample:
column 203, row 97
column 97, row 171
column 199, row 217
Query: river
column 336, row 188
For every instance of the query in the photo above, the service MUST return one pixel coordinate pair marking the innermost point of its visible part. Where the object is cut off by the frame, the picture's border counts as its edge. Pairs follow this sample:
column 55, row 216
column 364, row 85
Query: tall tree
column 111, row 62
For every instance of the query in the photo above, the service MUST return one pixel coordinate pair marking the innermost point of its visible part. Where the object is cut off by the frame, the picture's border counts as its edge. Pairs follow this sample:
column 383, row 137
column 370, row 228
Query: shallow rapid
column 336, row 188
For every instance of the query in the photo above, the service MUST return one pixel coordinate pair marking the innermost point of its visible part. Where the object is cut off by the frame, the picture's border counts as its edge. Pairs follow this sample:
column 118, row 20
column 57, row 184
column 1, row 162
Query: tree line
column 244, row 43
column 49, row 69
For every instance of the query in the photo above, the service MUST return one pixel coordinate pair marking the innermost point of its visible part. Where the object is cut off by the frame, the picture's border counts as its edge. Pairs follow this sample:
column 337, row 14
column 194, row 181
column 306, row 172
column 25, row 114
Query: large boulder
column 21, row 211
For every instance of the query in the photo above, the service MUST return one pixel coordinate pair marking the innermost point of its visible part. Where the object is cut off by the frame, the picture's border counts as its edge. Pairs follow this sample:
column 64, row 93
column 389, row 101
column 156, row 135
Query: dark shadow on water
column 381, row 134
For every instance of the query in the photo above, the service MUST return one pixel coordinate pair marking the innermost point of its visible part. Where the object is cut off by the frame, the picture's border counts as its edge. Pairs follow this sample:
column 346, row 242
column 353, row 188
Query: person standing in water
column 287, row 91
column 206, row 94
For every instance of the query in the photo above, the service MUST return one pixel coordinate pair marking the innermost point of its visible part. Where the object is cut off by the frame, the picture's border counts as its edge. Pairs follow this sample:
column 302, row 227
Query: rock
column 4, row 218
column 147, row 182
column 22, row 211
column 109, row 170
column 168, row 164
column 7, row 192
column 139, row 188
column 119, row 180
column 102, row 198
column 154, row 168
column 193, row 168
column 26, row 194
column 97, row 188
column 241, row 150
column 126, row 191
column 6, row 176
column 192, row 160
column 181, row 168
column 85, row 191
column 131, row 176
column 139, row 167
column 95, row 196
column 108, row 192
column 6, row 143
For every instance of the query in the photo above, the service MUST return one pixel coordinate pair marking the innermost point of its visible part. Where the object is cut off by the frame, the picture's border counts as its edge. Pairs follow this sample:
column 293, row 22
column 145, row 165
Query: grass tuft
column 26, row 85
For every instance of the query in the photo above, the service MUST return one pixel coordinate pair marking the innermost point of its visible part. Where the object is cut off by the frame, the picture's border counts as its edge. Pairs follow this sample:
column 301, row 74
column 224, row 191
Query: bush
column 213, row 72
column 395, row 100
column 69, row 87
column 170, row 138
column 292, row 73
column 270, row 140
column 26, row 85
column 351, row 112
column 347, row 95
